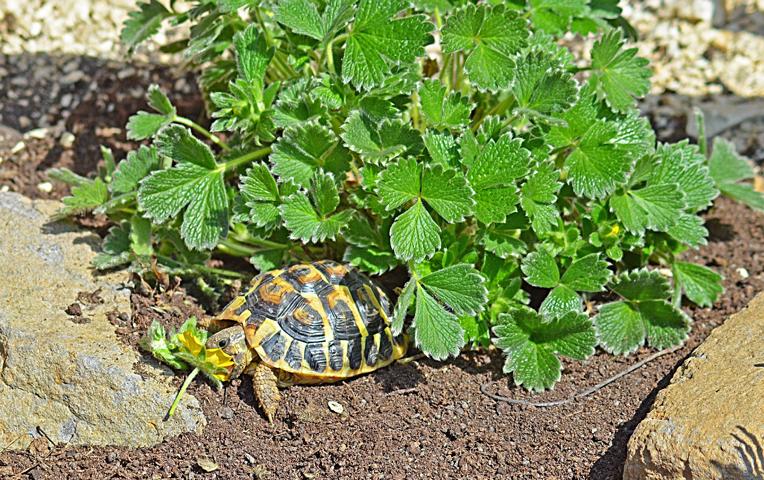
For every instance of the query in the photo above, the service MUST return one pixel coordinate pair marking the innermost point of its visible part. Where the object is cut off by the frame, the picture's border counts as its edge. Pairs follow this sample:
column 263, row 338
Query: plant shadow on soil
column 424, row 418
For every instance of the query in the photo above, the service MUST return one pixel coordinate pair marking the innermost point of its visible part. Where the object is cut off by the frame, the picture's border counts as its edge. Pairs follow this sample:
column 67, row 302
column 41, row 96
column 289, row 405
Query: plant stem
column 183, row 389
column 211, row 136
column 414, row 112
column 444, row 70
column 701, row 127
column 330, row 53
column 261, row 24
column 237, row 249
column 200, row 268
column 235, row 163
column 438, row 19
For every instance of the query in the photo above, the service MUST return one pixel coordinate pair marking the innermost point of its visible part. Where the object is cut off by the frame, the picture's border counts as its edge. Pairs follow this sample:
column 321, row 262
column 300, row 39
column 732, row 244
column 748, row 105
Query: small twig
column 9, row 445
column 402, row 391
column 42, row 432
column 27, row 470
column 37, row 460
column 582, row 393
column 407, row 360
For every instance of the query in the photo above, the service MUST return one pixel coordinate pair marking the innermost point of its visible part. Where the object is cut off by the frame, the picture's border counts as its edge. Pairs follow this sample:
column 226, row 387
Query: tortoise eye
column 223, row 343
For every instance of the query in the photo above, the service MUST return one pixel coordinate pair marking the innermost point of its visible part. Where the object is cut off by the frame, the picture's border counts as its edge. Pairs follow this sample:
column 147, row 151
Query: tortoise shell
column 321, row 321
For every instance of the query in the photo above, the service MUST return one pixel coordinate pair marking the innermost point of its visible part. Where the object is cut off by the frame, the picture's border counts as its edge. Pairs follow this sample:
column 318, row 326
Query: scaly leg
column 265, row 384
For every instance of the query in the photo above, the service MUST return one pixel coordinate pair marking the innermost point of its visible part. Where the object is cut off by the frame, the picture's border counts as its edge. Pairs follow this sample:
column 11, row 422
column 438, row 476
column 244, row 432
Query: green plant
column 514, row 181
column 184, row 350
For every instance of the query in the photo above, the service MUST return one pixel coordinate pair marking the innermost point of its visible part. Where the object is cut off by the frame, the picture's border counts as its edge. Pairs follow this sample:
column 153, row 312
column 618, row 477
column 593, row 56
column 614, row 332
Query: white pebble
column 67, row 140
column 66, row 100
column 336, row 407
column 38, row 133
column 46, row 187
column 18, row 147
column 743, row 273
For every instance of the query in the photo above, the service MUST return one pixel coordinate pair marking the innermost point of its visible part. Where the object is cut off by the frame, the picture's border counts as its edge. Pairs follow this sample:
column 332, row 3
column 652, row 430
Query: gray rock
column 75, row 382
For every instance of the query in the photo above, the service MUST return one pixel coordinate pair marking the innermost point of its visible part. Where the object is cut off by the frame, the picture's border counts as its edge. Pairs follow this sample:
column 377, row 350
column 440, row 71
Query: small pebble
column 38, row 133
column 18, row 147
column 45, row 187
column 73, row 77
column 67, row 140
column 111, row 457
column 336, row 407
column 743, row 273
column 206, row 464
column 66, row 100
column 227, row 413
column 74, row 309
column 24, row 122
column 249, row 458
column 5, row 188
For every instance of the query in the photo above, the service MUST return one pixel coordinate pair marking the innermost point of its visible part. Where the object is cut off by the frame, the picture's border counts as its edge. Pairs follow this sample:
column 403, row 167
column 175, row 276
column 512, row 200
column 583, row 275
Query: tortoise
column 307, row 324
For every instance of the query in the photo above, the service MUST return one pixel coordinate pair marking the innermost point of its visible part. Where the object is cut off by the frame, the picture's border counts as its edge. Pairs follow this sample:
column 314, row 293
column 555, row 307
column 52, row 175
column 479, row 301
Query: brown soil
column 420, row 420
column 88, row 97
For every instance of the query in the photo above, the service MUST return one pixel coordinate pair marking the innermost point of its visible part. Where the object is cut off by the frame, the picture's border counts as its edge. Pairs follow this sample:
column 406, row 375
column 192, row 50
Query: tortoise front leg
column 265, row 385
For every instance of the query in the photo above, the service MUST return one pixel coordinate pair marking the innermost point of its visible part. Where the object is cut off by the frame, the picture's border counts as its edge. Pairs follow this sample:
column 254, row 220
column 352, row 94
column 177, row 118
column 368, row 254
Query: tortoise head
column 233, row 342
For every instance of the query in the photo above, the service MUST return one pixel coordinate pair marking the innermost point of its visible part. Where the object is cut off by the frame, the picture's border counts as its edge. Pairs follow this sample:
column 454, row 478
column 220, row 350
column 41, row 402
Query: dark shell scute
column 335, row 355
column 294, row 355
column 385, row 347
column 274, row 346
column 342, row 320
column 368, row 310
column 370, row 351
column 353, row 280
column 261, row 302
column 314, row 355
column 354, row 353
column 302, row 322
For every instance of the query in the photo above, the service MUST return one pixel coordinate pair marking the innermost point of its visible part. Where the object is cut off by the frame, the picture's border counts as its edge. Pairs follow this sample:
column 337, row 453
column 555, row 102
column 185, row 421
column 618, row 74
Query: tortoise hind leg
column 265, row 385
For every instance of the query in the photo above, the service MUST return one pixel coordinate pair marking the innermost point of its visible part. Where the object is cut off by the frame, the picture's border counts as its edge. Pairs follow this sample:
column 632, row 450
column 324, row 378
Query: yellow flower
column 210, row 360
column 221, row 360
column 192, row 344
column 614, row 231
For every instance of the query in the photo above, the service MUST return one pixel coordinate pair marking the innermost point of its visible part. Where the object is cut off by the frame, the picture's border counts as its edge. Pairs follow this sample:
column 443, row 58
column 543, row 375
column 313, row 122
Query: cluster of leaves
column 517, row 184
column 185, row 349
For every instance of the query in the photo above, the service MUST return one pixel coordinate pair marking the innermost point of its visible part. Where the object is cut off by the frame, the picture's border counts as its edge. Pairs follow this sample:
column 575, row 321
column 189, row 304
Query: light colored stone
column 37, row 133
column 709, row 422
column 46, row 187
column 67, row 140
column 697, row 46
column 18, row 147
column 76, row 382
